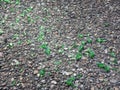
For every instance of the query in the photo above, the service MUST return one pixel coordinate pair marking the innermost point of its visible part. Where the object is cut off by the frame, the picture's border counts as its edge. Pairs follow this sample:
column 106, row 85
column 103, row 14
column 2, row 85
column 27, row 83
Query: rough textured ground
column 24, row 65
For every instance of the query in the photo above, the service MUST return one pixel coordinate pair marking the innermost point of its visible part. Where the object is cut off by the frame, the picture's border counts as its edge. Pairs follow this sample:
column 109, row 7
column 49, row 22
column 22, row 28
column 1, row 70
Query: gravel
column 55, row 24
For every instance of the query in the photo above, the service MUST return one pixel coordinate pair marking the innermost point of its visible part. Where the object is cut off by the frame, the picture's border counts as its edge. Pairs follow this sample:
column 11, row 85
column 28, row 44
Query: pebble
column 65, row 48
column 73, row 69
column 38, row 75
column 67, row 73
column 106, row 50
column 42, row 4
column 84, row 58
column 41, row 66
column 1, row 54
column 77, row 83
column 101, row 79
column 113, row 80
column 112, row 48
column 80, row 69
column 33, row 49
column 36, row 78
column 30, row 63
column 116, row 88
column 23, row 85
column 52, row 86
column 68, row 37
column 92, row 88
column 91, row 80
column 15, row 62
column 3, row 84
column 32, row 44
column 81, row 85
column 1, row 39
column 21, row 78
column 12, row 79
column 43, row 81
column 74, row 74
column 53, row 82
column 35, row 72
column 119, row 62
column 112, row 59
column 38, row 85
column 70, row 55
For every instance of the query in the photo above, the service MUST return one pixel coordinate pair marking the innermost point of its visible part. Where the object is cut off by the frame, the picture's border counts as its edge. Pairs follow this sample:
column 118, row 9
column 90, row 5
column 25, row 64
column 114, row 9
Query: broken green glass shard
column 78, row 56
column 43, row 46
column 90, row 53
column 89, row 40
column 47, row 51
column 40, row 36
column 7, row 1
column 70, row 81
column 103, row 66
column 83, row 43
column 112, row 54
column 42, row 72
column 100, row 40
column 80, row 48
column 17, row 1
column 80, row 35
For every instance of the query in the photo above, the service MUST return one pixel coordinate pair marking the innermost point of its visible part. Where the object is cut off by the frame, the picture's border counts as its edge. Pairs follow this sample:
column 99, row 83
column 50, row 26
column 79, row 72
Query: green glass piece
column 89, row 40
column 74, row 45
column 112, row 54
column 115, row 61
column 80, row 48
column 19, row 42
column 83, row 42
column 43, row 46
column 40, row 36
column 78, row 56
column 70, row 81
column 7, row 1
column 80, row 35
column 103, row 66
column 100, row 40
column 91, row 54
column 17, row 1
column 14, row 82
column 47, row 51
column 106, row 24
column 42, row 72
